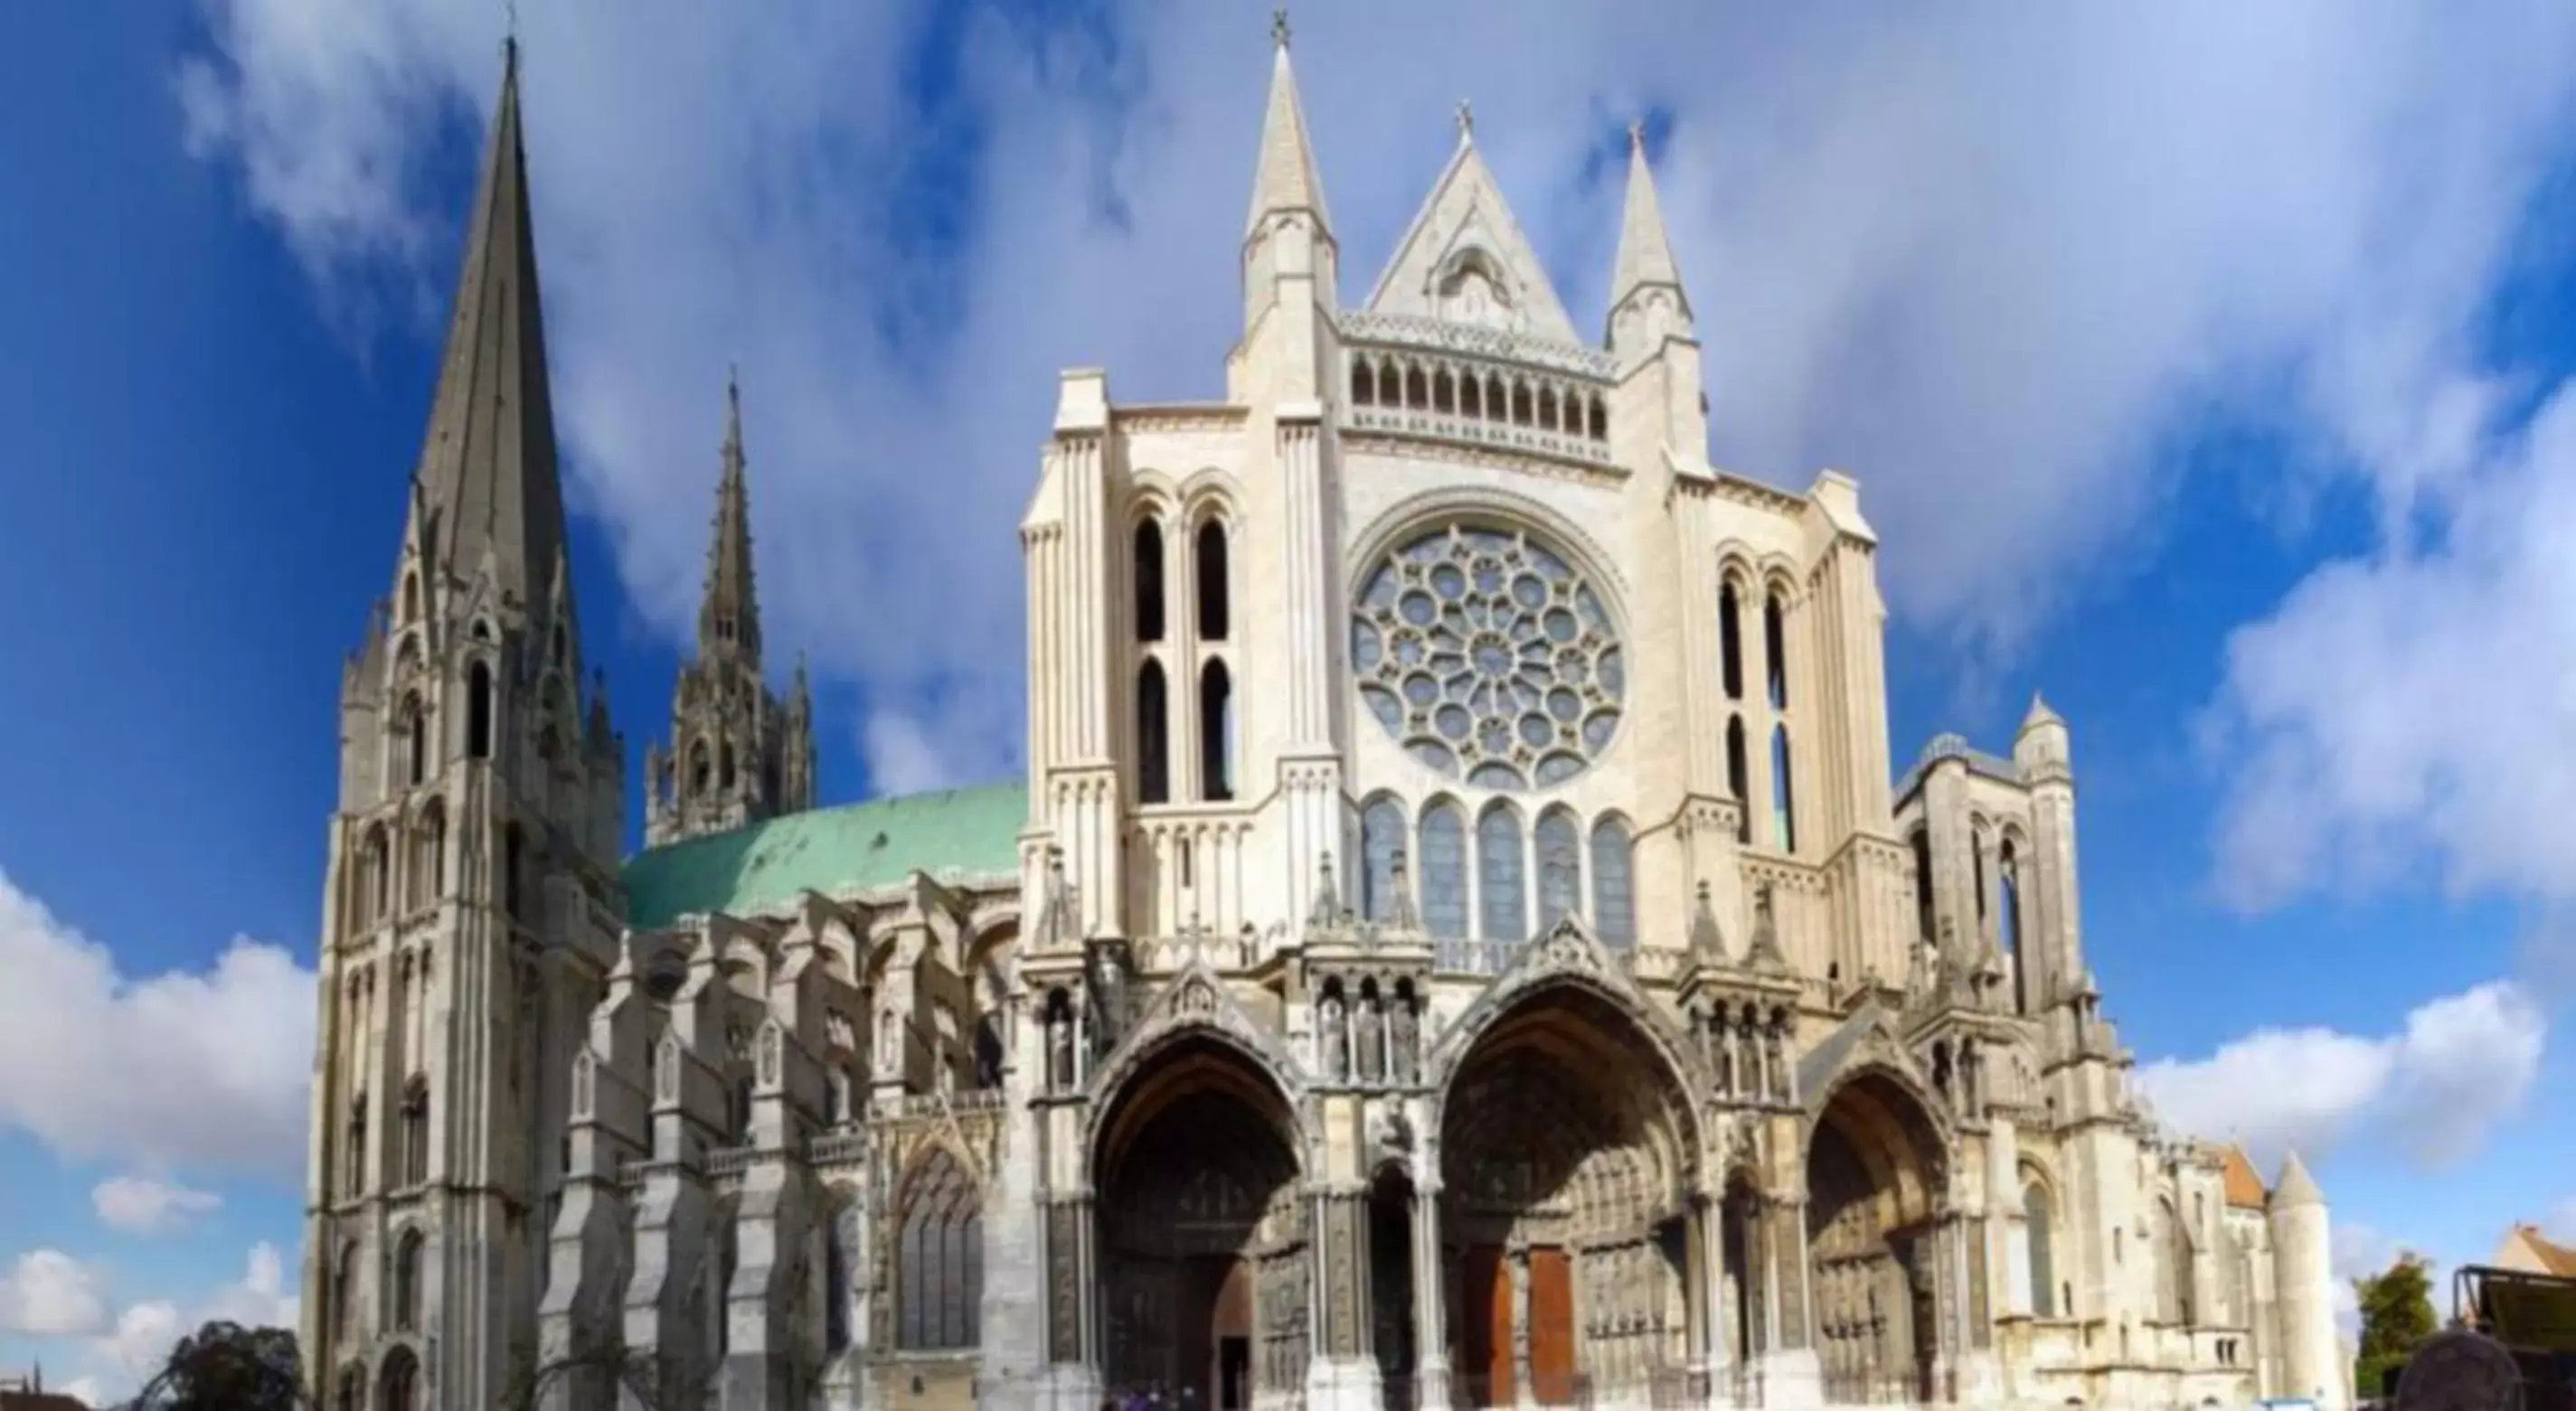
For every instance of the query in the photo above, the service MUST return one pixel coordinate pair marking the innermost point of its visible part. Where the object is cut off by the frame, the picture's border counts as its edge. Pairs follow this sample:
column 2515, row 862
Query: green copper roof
column 831, row 850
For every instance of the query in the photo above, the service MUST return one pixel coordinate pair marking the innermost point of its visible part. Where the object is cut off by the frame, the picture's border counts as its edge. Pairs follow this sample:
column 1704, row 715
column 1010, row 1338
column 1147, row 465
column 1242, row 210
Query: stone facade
column 1467, row 945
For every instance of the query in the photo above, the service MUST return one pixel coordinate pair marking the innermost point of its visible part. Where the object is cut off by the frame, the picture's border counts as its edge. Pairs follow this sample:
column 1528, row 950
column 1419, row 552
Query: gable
column 1465, row 260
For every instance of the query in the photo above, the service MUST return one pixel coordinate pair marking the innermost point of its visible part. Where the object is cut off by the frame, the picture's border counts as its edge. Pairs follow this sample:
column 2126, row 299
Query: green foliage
column 227, row 1367
column 2396, row 1318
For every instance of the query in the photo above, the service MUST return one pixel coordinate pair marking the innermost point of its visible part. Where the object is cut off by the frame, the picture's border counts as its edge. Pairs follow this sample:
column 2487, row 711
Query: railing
column 1169, row 955
column 970, row 1100
column 840, row 1144
column 1456, row 957
column 730, row 1160
column 1475, row 340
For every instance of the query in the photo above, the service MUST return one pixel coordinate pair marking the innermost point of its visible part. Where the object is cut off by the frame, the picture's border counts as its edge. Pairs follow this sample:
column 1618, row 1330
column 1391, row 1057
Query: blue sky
column 2202, row 369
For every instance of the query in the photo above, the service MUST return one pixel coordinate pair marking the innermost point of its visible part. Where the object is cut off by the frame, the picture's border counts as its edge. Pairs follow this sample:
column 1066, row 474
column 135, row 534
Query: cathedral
column 1461, row 938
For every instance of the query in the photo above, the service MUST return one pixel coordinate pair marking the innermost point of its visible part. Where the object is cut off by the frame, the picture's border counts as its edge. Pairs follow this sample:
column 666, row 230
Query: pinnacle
column 1285, row 178
column 2296, row 1186
column 1645, row 251
column 2040, row 714
column 729, row 620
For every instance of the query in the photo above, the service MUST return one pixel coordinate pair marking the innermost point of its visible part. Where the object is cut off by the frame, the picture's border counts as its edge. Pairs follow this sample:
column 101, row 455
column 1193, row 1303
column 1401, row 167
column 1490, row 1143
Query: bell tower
column 472, row 900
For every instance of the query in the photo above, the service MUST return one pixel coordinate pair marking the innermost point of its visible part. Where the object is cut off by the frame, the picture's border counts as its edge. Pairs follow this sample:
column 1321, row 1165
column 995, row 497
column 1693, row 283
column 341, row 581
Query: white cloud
column 135, row 1348
column 147, row 1205
column 50, row 1294
column 85, row 1390
column 169, row 1071
column 1979, row 257
column 2461, row 1065
column 2560, row 1223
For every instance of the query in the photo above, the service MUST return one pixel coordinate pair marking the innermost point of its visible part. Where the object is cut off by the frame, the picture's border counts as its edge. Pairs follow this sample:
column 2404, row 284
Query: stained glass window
column 1490, row 658
column 1444, row 871
column 1382, row 826
column 940, row 1258
column 1560, row 869
column 1499, row 879
column 1614, row 884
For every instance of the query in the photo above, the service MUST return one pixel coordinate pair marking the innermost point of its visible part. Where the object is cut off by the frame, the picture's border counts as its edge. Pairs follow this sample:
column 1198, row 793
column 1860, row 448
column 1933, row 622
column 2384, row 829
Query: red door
column 1551, row 1325
column 1485, row 1325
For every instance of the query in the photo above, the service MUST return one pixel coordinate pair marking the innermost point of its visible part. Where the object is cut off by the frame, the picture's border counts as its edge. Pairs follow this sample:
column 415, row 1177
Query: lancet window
column 1614, row 884
column 939, row 1259
column 1382, row 829
column 1499, row 876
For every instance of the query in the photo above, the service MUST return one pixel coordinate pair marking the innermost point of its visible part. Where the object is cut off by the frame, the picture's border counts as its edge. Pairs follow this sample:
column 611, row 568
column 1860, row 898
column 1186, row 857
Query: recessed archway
column 1566, row 1152
column 1203, row 1238
column 1874, row 1168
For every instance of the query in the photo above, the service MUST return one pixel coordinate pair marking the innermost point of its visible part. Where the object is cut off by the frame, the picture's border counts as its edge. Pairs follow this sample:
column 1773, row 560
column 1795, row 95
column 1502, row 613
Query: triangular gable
column 1465, row 260
column 1868, row 1037
column 1196, row 998
column 1569, row 951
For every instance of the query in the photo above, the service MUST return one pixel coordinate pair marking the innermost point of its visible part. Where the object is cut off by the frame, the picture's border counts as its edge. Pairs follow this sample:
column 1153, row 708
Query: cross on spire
column 1279, row 27
column 1466, row 121
column 1636, row 135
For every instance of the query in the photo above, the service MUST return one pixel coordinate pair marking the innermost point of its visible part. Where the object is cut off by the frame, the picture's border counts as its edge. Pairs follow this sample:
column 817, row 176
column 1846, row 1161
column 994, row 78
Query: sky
column 2206, row 367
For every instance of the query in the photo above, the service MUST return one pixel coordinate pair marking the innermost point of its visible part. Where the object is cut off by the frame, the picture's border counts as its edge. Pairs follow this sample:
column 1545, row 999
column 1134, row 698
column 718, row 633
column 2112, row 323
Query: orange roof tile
column 2244, row 1186
column 2558, row 1259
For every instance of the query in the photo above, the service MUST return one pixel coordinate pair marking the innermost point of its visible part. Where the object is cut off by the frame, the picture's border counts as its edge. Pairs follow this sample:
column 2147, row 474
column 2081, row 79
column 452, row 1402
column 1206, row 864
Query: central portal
column 1203, row 1252
column 1563, row 1151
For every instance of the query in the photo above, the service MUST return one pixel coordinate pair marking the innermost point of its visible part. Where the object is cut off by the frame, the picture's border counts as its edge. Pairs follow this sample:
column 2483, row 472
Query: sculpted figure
column 1403, row 1038
column 1336, row 1054
column 1372, row 1040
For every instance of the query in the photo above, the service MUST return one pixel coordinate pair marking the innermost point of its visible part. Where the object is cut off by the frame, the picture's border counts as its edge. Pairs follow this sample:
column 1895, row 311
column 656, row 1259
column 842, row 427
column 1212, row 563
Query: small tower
column 1650, row 327
column 736, row 755
column 2303, row 1284
column 2053, row 938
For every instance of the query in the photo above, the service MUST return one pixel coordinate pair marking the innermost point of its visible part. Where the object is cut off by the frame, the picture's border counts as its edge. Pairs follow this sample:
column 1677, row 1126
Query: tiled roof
column 856, row 847
column 2244, row 1185
column 2556, row 1258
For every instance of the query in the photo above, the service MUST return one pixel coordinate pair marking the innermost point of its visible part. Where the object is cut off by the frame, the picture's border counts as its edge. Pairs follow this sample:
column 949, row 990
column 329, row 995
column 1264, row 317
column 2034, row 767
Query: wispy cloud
column 147, row 1205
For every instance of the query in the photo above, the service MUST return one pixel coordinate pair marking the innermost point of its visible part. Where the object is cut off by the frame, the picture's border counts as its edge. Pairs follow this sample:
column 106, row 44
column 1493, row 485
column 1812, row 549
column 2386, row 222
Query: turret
column 2303, row 1284
column 2053, row 938
column 1650, row 329
column 1291, row 264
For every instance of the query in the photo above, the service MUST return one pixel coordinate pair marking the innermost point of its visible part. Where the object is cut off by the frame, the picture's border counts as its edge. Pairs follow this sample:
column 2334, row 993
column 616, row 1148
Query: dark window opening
column 1153, row 736
column 1775, row 651
column 1730, row 642
column 1784, row 808
column 1215, row 611
column 1737, row 778
column 478, row 712
column 1216, row 733
column 1149, row 582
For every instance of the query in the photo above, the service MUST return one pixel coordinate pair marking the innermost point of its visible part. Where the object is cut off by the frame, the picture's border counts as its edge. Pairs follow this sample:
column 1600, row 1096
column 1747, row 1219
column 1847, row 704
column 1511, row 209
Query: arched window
column 415, row 1131
column 1560, row 869
column 2008, row 863
column 428, row 870
column 1775, row 649
column 1216, row 733
column 1499, row 877
column 724, row 765
column 1149, row 581
column 1215, row 610
column 478, row 711
column 939, row 1258
column 1444, row 871
column 344, row 1290
column 1730, row 641
column 1922, row 841
column 1739, row 778
column 407, row 1257
column 411, row 599
column 352, row 1395
column 1784, row 805
column 375, row 878
column 1471, row 397
column 1614, row 883
column 415, row 725
column 401, row 1382
column 1382, row 826
column 1153, row 736
column 1363, row 383
column 1444, row 398
column 355, row 1175
column 741, row 1114
column 2035, row 1215
column 702, row 774
column 837, row 1239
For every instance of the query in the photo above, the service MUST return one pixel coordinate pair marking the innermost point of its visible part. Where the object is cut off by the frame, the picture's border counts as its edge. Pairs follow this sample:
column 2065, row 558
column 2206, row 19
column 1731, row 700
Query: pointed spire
column 1764, row 953
column 2296, row 1186
column 729, row 619
column 1285, row 179
column 1707, row 939
column 1645, row 251
column 2040, row 714
column 487, row 466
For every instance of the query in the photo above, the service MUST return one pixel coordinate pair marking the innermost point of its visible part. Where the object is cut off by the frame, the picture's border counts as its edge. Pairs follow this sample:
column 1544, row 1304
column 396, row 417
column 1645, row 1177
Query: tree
column 2396, row 1318
column 227, row 1367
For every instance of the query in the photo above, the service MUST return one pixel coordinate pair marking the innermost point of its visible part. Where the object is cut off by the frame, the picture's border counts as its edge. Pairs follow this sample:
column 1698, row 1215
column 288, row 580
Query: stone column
column 1430, row 1299
column 1711, row 1352
column 1790, row 1373
column 1072, row 1377
column 1340, row 1372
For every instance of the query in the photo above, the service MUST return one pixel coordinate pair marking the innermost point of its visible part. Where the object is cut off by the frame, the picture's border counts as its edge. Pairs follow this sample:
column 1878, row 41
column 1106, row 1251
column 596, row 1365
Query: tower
column 472, row 892
column 737, row 755
column 2303, row 1288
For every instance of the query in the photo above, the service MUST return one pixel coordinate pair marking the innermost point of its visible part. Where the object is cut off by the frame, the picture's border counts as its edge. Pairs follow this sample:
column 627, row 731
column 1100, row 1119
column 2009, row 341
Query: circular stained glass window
column 1489, row 657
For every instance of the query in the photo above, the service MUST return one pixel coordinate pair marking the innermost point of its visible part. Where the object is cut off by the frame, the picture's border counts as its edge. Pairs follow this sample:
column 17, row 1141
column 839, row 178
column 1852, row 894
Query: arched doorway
column 1874, row 1162
column 1204, row 1248
column 1565, row 1144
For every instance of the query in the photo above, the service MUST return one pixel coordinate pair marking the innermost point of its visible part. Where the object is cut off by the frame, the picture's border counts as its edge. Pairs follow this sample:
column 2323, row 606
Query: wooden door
column 1551, row 1325
column 1484, row 1324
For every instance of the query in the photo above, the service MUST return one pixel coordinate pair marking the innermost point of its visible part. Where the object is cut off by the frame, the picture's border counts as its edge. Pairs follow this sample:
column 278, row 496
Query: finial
column 1636, row 137
column 1466, row 121
column 1279, row 27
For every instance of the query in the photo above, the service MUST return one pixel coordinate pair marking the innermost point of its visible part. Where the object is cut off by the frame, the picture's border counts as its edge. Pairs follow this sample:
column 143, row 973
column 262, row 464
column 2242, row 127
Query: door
column 1485, row 1325
column 1551, row 1325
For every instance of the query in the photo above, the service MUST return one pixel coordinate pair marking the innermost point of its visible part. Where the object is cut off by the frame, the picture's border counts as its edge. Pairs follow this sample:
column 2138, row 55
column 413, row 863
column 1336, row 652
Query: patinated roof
column 856, row 847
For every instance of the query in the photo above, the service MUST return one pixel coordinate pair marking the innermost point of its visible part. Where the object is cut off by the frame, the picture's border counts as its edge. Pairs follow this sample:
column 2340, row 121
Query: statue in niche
column 1748, row 1068
column 1108, row 999
column 1725, row 1045
column 1334, row 1054
column 1773, row 1042
column 1402, row 1037
column 1059, row 1049
column 1372, row 1039
column 1971, row 1065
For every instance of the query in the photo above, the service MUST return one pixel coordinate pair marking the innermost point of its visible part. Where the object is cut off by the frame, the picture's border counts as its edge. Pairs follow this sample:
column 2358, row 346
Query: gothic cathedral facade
column 1460, row 940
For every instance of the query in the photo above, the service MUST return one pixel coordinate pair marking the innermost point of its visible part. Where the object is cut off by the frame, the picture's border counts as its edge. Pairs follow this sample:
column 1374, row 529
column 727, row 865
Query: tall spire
column 729, row 620
column 1286, row 178
column 487, row 467
column 1645, row 251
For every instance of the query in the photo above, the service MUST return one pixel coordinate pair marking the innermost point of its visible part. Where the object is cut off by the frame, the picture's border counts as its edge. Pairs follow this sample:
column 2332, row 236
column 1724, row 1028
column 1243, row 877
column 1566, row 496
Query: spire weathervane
column 1637, row 136
column 1466, row 121
column 1279, row 27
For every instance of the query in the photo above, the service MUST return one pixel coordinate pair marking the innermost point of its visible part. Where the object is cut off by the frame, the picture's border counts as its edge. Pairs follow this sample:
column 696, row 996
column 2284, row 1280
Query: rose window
column 1489, row 658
